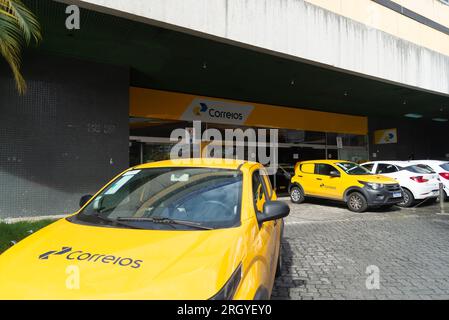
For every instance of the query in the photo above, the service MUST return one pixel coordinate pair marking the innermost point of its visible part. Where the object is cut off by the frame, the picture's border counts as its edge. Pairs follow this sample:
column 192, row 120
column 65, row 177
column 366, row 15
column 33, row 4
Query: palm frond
column 5, row 12
column 5, row 7
column 13, row 60
column 10, row 46
column 18, row 26
column 26, row 20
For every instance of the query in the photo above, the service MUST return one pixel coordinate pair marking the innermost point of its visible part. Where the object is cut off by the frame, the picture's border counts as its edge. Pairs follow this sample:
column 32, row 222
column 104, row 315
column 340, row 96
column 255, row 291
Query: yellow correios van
column 188, row 229
column 343, row 181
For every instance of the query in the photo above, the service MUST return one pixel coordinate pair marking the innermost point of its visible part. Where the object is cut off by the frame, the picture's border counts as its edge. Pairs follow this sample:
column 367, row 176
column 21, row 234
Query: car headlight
column 373, row 185
column 229, row 289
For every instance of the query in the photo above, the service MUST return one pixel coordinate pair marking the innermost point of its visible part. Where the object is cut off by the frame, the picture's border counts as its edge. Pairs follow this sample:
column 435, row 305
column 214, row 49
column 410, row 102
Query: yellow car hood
column 165, row 264
column 374, row 178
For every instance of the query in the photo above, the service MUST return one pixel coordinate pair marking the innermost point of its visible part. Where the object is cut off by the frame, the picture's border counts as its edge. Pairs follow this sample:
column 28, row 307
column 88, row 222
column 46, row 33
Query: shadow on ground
column 287, row 280
column 341, row 205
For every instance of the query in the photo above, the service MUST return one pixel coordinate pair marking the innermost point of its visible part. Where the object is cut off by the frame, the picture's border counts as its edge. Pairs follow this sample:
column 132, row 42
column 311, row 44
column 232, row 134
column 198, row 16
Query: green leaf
column 26, row 20
column 18, row 26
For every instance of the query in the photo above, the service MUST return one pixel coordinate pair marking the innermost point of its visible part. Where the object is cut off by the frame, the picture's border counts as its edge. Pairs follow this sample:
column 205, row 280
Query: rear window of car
column 445, row 166
column 368, row 166
column 387, row 168
column 426, row 167
column 419, row 169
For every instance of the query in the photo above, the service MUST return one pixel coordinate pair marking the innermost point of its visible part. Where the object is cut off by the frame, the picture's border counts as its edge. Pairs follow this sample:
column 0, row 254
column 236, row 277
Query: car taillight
column 419, row 179
column 445, row 175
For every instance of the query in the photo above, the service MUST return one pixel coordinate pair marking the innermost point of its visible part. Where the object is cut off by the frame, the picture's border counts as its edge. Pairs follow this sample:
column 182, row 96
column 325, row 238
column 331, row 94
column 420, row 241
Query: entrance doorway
column 150, row 141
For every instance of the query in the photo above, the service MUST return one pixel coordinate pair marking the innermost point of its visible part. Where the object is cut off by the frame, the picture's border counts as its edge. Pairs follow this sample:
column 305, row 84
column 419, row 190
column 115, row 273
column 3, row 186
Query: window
column 303, row 137
column 419, row 169
column 386, row 168
column 324, row 169
column 426, row 167
column 349, row 140
column 368, row 166
column 352, row 168
column 445, row 166
column 203, row 196
column 267, row 183
column 259, row 192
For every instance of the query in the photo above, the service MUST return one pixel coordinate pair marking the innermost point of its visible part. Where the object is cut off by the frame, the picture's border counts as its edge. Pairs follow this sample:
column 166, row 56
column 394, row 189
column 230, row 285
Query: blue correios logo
column 80, row 255
column 64, row 250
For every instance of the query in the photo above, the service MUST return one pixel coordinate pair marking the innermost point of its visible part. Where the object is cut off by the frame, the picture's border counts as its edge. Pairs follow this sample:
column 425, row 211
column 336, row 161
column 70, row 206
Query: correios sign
column 214, row 111
column 165, row 105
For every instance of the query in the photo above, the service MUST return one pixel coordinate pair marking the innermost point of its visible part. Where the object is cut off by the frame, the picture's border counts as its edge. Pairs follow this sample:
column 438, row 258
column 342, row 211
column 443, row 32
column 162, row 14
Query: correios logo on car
column 92, row 257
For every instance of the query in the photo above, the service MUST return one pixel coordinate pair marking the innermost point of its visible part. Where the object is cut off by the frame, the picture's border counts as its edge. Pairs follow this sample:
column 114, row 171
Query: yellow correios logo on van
column 343, row 181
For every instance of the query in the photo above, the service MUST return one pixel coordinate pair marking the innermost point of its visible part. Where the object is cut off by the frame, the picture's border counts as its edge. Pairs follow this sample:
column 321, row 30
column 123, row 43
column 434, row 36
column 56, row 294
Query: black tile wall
column 66, row 137
column 418, row 138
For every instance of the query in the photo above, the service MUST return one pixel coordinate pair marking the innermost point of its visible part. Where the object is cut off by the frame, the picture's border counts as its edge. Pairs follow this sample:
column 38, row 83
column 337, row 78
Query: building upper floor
column 403, row 41
column 422, row 22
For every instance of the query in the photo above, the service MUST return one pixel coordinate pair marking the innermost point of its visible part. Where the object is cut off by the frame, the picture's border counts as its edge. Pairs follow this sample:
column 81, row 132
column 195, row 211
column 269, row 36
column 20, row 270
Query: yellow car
column 343, row 181
column 184, row 229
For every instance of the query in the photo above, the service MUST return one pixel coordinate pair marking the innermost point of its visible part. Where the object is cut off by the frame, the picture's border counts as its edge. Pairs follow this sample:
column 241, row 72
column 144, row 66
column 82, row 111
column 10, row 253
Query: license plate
column 397, row 195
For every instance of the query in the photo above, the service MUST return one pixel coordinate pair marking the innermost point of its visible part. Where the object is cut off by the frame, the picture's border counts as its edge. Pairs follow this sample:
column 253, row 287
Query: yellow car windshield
column 157, row 198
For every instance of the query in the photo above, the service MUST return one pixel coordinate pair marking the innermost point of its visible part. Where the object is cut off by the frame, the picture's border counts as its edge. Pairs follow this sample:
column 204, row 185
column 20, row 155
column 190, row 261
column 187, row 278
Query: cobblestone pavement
column 327, row 250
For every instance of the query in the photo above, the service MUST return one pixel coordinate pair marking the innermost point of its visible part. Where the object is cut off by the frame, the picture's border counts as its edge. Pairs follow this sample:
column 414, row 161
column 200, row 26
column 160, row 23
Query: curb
column 33, row 219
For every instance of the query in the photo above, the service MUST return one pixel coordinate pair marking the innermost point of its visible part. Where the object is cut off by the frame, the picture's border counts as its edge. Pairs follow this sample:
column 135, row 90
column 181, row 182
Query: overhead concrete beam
column 294, row 29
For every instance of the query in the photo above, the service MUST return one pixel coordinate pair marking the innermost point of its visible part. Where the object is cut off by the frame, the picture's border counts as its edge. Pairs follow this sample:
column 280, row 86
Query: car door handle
column 319, row 179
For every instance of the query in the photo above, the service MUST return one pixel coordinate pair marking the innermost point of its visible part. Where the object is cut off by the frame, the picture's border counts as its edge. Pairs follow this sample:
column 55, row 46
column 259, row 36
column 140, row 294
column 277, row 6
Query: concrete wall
column 65, row 138
column 382, row 18
column 297, row 29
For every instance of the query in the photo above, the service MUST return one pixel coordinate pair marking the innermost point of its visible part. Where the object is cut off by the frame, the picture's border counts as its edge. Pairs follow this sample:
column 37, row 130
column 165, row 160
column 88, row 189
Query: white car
column 440, row 167
column 418, row 182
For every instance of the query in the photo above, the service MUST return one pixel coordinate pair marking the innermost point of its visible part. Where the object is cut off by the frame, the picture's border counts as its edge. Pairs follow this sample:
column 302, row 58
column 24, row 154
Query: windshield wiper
column 113, row 221
column 165, row 221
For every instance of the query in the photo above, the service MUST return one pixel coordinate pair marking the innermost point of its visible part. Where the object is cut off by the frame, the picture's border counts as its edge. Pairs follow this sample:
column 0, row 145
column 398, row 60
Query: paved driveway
column 331, row 253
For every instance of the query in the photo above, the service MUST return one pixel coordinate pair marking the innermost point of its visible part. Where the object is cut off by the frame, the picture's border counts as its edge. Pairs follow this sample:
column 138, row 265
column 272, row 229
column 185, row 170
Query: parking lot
column 327, row 250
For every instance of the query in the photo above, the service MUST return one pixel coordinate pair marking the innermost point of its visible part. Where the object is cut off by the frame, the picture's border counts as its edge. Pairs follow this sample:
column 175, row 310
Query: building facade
column 349, row 79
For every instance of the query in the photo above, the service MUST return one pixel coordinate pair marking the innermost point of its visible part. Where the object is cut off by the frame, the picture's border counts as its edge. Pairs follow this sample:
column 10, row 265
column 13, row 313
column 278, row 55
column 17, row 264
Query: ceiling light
column 440, row 119
column 413, row 115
